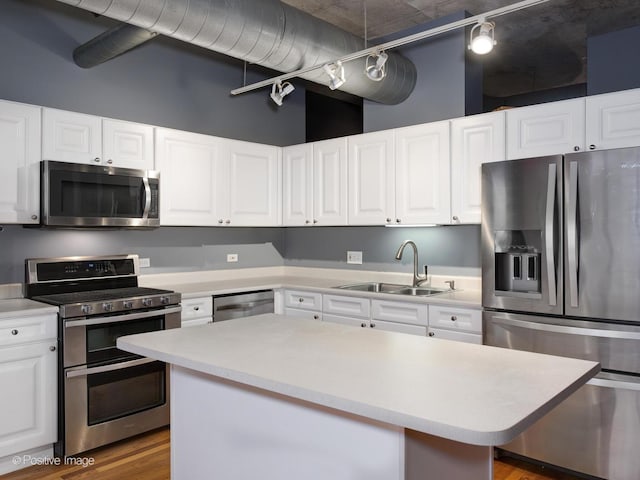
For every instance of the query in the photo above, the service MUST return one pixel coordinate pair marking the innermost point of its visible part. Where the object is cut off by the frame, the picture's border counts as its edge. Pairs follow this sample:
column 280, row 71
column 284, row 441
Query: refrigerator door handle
column 549, row 235
column 607, row 383
column 572, row 234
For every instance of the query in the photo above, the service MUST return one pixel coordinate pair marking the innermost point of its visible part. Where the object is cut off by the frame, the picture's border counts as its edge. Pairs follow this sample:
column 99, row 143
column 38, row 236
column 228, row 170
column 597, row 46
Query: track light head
column 484, row 41
column 279, row 91
column 375, row 66
column 335, row 71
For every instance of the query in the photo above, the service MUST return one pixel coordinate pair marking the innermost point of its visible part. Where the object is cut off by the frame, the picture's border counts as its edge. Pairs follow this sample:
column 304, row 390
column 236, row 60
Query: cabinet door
column 455, row 336
column 254, row 186
column 475, row 140
column 303, row 300
column 330, row 182
column 547, row 129
column 344, row 320
column 613, row 120
column 19, row 163
column 371, row 179
column 399, row 327
column 454, row 318
column 297, row 195
column 352, row 307
column 127, row 144
column 71, row 137
column 423, row 180
column 196, row 311
column 28, row 412
column 190, row 164
column 400, row 312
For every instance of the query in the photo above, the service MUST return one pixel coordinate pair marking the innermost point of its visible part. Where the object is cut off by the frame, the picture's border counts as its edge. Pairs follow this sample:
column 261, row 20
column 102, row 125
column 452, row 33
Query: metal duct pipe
column 266, row 32
column 110, row 44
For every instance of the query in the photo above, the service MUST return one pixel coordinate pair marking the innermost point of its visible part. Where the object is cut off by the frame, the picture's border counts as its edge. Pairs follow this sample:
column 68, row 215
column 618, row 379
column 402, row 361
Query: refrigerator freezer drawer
column 595, row 431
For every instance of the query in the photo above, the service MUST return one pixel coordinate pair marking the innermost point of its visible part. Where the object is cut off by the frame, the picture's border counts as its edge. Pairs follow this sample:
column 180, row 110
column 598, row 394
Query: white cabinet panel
column 455, row 336
column 19, row 163
column 371, row 175
column 190, row 165
column 301, row 299
column 196, row 311
column 475, row 140
column 346, row 306
column 613, row 120
column 345, row 320
column 14, row 331
column 299, row 313
column 399, row 327
column 254, row 185
column 401, row 312
column 546, row 129
column 297, row 195
column 423, row 179
column 71, row 137
column 127, row 144
column 330, row 182
column 453, row 318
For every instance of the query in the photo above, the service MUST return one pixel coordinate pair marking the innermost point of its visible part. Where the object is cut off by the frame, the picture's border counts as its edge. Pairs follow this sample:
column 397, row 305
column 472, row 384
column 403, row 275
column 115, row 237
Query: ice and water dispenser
column 517, row 257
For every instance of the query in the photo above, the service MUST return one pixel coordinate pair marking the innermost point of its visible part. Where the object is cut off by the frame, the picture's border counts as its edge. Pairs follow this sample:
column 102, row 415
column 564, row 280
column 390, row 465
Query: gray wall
column 612, row 61
column 444, row 79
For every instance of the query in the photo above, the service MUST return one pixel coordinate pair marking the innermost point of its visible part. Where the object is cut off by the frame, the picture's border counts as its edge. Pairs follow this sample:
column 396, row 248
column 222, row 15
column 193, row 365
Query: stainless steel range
column 104, row 394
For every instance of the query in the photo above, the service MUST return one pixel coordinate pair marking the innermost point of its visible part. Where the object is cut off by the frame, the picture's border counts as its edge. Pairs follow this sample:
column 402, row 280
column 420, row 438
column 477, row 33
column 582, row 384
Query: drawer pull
column 301, row 300
column 363, row 325
column 196, row 308
column 14, row 332
column 431, row 334
column 372, row 325
column 52, row 348
column 453, row 318
column 316, row 317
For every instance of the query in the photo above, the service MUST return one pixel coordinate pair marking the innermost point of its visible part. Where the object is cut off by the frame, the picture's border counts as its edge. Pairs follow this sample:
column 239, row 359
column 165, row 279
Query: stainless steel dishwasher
column 237, row 305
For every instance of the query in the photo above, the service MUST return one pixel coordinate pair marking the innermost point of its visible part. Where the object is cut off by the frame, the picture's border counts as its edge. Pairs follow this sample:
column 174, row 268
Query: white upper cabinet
column 19, row 163
column 190, row 165
column 475, row 140
column 254, row 187
column 546, row 129
column 371, row 175
column 80, row 138
column 613, row 120
column 422, row 178
column 297, row 195
column 330, row 182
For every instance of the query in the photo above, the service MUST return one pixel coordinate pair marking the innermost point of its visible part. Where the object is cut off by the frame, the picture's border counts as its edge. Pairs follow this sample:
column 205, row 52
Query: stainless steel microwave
column 81, row 195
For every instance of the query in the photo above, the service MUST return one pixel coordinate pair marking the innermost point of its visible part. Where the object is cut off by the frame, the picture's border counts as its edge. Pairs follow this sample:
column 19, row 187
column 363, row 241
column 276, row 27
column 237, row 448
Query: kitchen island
column 272, row 397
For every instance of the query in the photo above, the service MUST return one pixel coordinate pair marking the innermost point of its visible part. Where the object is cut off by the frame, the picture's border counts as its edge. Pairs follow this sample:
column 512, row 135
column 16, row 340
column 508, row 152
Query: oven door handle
column 108, row 368
column 120, row 318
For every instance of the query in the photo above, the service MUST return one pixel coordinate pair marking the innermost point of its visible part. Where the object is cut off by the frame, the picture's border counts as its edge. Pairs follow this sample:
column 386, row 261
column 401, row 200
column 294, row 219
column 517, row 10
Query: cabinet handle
column 398, row 220
column 316, row 317
column 315, row 221
column 301, row 300
column 34, row 217
column 431, row 334
column 307, row 222
column 388, row 220
column 576, row 148
column 97, row 159
column 592, row 147
column 455, row 218
column 109, row 161
column 52, row 348
column 372, row 325
column 227, row 221
column 14, row 332
column 196, row 308
column 363, row 325
column 453, row 318
column 220, row 221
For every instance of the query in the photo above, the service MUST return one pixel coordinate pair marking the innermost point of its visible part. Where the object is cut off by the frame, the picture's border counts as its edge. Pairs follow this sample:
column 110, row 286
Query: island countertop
column 468, row 393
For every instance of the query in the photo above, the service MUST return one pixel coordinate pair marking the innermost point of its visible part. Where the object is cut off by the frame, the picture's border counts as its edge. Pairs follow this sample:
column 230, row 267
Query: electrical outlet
column 232, row 257
column 354, row 258
column 144, row 262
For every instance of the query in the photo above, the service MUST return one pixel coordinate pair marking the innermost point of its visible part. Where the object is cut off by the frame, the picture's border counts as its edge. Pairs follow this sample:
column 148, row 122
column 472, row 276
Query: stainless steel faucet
column 417, row 278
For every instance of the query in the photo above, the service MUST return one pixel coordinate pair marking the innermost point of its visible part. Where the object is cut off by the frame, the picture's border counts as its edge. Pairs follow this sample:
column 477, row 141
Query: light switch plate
column 354, row 258
column 232, row 257
column 145, row 262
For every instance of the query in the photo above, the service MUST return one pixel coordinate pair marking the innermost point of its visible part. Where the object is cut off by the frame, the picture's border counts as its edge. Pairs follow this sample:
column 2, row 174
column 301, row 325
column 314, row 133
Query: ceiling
column 538, row 48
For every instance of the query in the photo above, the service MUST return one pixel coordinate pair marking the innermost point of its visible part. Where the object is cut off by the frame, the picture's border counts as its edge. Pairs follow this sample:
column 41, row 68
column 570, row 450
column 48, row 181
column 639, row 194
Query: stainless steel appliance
column 237, row 305
column 104, row 394
column 80, row 195
column 561, row 275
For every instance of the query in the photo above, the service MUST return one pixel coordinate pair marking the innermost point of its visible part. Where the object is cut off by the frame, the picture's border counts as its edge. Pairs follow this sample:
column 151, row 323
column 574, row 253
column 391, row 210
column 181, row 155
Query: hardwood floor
column 146, row 457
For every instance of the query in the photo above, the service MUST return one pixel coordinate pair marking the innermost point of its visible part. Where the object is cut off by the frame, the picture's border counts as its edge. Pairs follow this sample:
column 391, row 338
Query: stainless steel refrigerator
column 561, row 275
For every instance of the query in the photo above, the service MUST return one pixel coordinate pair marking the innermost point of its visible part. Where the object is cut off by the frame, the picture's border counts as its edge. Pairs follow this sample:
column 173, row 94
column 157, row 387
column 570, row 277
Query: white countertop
column 468, row 393
column 21, row 307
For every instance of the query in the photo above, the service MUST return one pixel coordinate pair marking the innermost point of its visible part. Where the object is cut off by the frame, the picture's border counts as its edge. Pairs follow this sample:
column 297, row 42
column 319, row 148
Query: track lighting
column 374, row 66
column 484, row 40
column 335, row 71
column 279, row 91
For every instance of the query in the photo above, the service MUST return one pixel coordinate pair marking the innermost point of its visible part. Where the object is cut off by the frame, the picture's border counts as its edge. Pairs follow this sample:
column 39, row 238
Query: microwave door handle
column 549, row 231
column 147, row 197
column 572, row 234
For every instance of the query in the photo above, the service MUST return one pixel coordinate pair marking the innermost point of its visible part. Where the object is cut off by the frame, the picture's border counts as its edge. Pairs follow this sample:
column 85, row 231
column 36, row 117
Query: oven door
column 92, row 340
column 90, row 195
column 110, row 402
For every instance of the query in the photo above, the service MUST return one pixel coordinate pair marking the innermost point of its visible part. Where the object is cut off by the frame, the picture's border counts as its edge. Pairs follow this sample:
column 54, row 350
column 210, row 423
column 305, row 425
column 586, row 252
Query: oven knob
column 147, row 302
column 164, row 300
column 107, row 307
column 127, row 304
column 86, row 309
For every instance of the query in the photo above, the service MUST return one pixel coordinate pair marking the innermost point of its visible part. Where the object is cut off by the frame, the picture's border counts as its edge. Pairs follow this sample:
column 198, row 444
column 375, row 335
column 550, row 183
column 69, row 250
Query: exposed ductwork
column 265, row 32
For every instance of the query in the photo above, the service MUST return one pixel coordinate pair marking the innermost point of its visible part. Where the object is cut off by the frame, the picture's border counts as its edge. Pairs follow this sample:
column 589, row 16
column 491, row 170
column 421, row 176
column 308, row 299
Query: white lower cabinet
column 454, row 323
column 401, row 317
column 197, row 311
column 302, row 304
column 28, row 375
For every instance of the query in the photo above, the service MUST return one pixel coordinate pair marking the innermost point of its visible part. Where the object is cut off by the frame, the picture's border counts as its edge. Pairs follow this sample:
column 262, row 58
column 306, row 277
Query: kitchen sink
column 395, row 289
